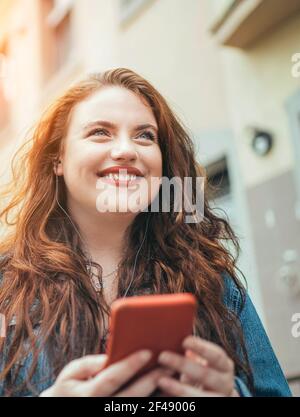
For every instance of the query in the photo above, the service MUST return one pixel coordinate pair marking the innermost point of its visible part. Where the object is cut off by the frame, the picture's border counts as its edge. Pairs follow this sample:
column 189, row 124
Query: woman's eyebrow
column 113, row 126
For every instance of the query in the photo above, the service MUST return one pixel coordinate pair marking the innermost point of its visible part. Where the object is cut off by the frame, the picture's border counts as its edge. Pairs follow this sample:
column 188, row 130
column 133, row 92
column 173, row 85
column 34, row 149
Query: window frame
column 292, row 106
column 60, row 14
column 131, row 10
column 4, row 74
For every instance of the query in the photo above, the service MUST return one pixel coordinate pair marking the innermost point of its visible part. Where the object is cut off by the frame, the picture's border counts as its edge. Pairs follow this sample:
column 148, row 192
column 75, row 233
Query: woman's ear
column 58, row 170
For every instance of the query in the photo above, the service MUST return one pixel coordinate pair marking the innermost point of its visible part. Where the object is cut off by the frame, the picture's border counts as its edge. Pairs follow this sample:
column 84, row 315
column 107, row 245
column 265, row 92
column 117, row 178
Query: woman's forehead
column 115, row 104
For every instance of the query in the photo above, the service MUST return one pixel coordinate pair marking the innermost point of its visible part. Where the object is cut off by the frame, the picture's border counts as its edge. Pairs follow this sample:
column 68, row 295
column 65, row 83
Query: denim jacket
column 268, row 376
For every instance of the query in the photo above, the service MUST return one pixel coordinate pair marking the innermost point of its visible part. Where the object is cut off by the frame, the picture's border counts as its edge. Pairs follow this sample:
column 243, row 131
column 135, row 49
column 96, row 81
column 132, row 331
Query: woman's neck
column 104, row 235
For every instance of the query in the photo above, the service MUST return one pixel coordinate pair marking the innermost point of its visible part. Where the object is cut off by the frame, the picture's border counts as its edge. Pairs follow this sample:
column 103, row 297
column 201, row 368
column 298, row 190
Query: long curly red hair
column 45, row 278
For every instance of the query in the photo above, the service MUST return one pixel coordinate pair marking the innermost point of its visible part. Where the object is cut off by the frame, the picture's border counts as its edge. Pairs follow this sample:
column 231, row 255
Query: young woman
column 65, row 259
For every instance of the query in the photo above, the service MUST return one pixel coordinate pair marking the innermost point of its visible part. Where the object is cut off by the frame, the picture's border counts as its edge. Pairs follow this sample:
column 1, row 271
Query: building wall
column 180, row 59
column 275, row 247
column 258, row 83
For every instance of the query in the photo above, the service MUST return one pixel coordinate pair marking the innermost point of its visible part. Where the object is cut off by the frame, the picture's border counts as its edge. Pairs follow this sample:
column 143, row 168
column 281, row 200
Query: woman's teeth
column 121, row 177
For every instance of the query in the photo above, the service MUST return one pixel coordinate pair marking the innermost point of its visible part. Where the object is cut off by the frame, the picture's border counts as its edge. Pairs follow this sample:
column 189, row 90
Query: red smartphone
column 154, row 322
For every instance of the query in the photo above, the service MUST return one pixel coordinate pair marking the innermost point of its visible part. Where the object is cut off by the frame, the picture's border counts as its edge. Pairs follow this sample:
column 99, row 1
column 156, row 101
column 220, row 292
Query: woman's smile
column 120, row 176
column 115, row 180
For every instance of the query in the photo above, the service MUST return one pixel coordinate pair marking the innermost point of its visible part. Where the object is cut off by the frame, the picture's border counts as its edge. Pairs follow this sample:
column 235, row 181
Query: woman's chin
column 119, row 211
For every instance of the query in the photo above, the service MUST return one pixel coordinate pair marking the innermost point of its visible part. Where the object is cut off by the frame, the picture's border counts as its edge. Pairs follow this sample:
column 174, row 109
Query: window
column 218, row 179
column 219, row 7
column 129, row 8
column 220, row 195
column 220, row 190
column 62, row 39
column 56, row 34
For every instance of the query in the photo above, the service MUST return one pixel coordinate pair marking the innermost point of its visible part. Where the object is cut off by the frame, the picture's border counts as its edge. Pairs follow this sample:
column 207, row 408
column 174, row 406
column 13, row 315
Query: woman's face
column 106, row 131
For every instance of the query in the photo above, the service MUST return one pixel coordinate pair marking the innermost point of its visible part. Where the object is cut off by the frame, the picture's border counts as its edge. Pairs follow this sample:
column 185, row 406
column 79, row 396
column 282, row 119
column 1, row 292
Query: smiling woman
column 65, row 259
column 108, row 133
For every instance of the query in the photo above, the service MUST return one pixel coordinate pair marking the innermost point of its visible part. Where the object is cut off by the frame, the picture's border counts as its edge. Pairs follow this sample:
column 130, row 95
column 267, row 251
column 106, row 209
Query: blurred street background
column 230, row 69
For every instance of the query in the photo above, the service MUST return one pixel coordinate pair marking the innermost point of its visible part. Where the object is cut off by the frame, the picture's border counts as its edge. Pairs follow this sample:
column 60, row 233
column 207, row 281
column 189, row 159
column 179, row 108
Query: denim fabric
column 269, row 380
column 268, row 376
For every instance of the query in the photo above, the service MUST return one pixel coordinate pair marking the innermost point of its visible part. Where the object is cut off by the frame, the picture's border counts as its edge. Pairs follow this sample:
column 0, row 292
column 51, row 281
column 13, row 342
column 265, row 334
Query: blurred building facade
column 229, row 69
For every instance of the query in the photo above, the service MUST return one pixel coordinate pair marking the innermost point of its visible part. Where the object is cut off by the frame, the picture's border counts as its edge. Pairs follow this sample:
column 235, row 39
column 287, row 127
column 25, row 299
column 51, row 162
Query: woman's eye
column 97, row 132
column 103, row 132
column 148, row 134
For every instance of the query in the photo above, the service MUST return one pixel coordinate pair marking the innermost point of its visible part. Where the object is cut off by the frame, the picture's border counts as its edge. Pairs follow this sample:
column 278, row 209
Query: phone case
column 154, row 322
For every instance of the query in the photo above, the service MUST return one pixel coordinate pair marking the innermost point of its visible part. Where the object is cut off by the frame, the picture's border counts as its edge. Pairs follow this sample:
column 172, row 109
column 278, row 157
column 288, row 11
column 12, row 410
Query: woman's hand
column 205, row 371
column 85, row 377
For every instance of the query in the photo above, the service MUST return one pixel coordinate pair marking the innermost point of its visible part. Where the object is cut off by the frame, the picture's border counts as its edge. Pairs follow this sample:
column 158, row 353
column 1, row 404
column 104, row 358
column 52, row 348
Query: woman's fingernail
column 164, row 357
column 145, row 355
column 101, row 358
column 188, row 340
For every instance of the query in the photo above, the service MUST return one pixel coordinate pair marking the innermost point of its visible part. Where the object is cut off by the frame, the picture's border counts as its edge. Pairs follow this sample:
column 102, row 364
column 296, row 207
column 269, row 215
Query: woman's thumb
column 83, row 368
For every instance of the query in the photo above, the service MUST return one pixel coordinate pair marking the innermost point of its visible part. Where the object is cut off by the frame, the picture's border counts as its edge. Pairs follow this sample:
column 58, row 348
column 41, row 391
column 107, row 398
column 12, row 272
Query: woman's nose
column 124, row 149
